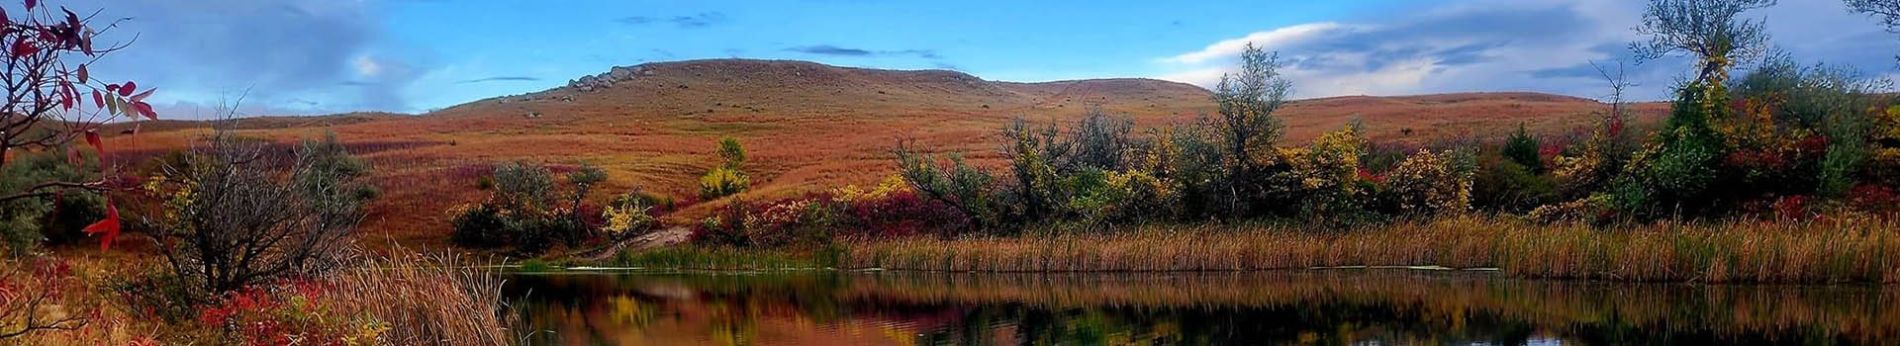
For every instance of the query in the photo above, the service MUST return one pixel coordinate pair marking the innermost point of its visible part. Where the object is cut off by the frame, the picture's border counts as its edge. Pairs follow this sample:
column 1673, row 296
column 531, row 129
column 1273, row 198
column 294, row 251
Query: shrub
column 52, row 218
column 629, row 215
column 962, row 187
column 482, row 225
column 727, row 179
column 1523, row 149
column 893, row 208
column 1503, row 185
column 727, row 227
column 521, row 211
column 1189, row 159
column 1429, row 183
column 1675, row 173
column 1324, row 176
column 723, row 181
column 236, row 216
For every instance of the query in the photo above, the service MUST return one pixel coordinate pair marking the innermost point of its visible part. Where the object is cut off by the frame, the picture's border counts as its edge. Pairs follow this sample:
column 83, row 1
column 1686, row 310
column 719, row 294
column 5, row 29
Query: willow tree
column 1247, row 100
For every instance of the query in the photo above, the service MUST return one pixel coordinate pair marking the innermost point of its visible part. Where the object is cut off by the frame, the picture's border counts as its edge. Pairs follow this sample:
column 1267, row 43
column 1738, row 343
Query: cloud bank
column 1540, row 45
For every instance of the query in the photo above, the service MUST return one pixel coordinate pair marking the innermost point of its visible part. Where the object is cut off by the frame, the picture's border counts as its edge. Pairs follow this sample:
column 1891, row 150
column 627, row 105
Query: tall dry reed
column 426, row 300
column 1843, row 249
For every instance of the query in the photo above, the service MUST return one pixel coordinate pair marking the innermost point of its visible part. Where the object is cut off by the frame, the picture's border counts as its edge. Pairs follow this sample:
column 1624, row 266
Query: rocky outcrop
column 606, row 80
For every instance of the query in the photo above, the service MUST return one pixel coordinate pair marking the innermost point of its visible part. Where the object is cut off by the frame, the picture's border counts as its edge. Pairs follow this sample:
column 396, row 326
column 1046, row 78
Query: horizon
column 415, row 56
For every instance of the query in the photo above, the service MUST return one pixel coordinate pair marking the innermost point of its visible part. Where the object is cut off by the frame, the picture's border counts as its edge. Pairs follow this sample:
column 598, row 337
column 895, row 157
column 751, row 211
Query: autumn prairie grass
column 1844, row 249
column 425, row 300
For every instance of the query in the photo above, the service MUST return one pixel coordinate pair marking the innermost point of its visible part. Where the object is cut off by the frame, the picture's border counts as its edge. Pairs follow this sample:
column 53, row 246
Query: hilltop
column 808, row 126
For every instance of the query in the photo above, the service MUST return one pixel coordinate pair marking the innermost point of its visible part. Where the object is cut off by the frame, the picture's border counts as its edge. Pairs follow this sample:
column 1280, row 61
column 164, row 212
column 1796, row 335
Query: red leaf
column 24, row 47
column 83, row 76
column 92, row 137
column 107, row 229
column 146, row 109
column 98, row 98
column 127, row 89
column 141, row 96
column 3, row 16
column 29, row 4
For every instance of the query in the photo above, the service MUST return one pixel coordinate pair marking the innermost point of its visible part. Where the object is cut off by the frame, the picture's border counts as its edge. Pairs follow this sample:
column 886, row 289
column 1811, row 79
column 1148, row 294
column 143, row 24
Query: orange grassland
column 806, row 126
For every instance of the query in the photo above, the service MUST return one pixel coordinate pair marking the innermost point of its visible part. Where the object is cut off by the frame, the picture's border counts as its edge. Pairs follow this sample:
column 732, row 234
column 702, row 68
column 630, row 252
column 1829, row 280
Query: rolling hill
column 807, row 127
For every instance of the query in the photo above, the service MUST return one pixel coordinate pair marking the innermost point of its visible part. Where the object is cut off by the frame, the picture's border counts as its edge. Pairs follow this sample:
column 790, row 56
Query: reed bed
column 426, row 300
column 1833, row 250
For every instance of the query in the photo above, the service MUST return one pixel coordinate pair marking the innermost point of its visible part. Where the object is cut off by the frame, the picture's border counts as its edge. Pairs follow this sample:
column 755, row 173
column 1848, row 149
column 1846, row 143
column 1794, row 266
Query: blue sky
column 327, row 56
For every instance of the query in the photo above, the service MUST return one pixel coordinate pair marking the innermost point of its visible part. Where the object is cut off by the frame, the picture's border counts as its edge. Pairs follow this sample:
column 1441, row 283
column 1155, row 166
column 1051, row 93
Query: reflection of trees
column 1418, row 305
column 1284, row 307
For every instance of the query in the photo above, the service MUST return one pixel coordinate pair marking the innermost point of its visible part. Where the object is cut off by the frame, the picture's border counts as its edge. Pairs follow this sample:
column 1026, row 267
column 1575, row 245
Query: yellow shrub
column 723, row 181
column 1426, row 183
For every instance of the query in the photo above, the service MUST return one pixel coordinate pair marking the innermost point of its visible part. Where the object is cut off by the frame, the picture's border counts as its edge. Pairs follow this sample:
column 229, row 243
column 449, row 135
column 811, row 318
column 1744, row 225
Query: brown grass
column 1851, row 249
column 426, row 300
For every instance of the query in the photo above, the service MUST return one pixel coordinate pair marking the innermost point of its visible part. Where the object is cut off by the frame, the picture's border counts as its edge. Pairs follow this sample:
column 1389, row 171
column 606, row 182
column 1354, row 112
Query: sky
column 298, row 57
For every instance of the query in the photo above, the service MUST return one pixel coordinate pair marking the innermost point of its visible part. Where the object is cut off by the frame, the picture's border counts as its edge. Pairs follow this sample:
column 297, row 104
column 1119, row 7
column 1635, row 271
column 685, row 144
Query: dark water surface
column 1297, row 307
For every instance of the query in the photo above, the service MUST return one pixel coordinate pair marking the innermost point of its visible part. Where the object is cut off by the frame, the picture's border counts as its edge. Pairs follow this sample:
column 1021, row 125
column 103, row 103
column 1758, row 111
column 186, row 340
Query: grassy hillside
column 807, row 126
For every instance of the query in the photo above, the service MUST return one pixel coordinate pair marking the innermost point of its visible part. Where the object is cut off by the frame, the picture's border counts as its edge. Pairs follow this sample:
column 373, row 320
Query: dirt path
column 660, row 238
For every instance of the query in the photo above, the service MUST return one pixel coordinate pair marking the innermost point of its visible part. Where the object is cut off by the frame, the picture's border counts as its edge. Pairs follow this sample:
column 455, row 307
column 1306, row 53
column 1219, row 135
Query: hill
column 807, row 126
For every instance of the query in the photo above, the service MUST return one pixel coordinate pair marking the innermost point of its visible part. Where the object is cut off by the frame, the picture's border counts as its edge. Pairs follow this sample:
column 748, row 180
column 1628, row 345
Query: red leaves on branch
column 127, row 89
column 107, row 229
column 83, row 76
column 30, row 3
column 24, row 47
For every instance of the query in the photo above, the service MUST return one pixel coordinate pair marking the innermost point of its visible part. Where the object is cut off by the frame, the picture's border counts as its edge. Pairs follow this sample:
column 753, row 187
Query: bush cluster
column 527, row 211
column 890, row 209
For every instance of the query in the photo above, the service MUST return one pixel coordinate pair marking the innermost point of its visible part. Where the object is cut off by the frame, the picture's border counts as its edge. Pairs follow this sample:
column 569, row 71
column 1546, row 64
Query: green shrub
column 26, row 223
column 1674, row 174
column 482, row 225
column 963, row 187
column 1523, row 148
column 1504, row 185
column 521, row 210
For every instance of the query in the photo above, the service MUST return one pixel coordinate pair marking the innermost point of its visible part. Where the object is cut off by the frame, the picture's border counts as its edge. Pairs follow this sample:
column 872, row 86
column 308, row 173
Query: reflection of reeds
column 1850, row 313
column 1836, row 250
column 425, row 300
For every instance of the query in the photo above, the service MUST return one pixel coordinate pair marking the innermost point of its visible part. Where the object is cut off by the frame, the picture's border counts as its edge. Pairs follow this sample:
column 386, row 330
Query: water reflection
column 1326, row 307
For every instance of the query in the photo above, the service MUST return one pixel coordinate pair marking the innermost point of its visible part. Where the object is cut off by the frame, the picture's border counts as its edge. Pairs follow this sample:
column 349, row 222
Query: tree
column 45, row 108
column 731, row 152
column 1247, row 100
column 1522, row 148
column 1707, row 29
column 236, row 213
column 1888, row 11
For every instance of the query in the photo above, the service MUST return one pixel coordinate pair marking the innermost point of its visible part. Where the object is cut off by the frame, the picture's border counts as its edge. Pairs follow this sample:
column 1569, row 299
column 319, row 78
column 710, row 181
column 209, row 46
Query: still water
column 1297, row 307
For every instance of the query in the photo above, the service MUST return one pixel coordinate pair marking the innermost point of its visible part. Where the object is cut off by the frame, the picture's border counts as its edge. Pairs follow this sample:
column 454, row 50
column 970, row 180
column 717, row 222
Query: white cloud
column 1265, row 40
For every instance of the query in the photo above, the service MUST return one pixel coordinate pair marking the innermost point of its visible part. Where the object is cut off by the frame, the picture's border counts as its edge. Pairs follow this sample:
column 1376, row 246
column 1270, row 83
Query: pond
column 1292, row 307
